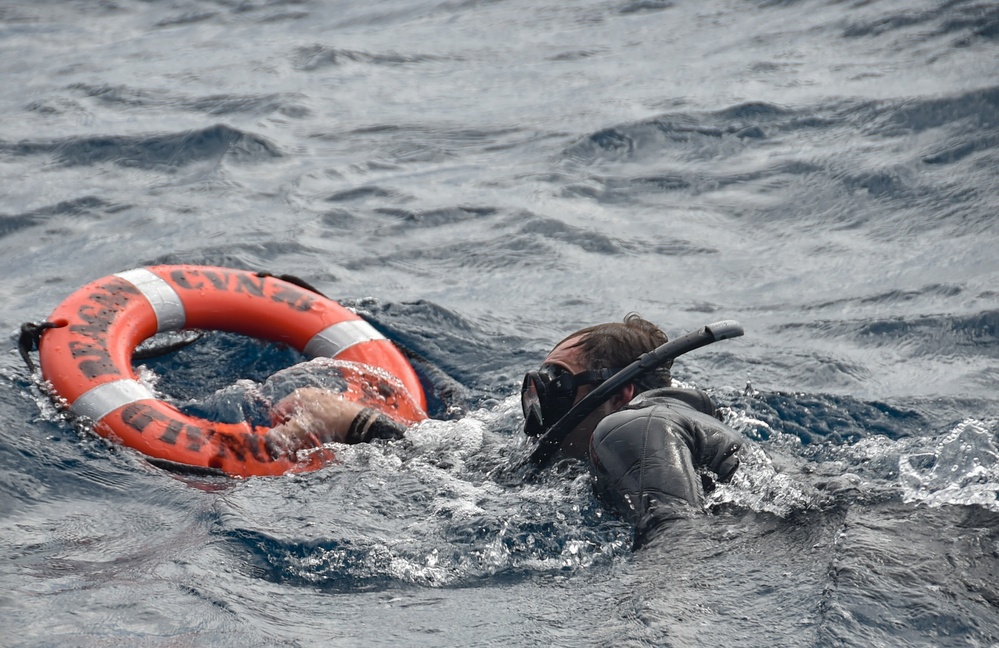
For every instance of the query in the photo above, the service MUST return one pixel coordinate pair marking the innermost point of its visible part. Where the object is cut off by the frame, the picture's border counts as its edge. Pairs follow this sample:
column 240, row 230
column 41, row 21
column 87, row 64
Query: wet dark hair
column 618, row 344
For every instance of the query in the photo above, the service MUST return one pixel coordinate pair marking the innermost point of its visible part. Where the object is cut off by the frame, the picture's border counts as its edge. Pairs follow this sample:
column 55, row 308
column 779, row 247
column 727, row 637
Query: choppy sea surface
column 478, row 178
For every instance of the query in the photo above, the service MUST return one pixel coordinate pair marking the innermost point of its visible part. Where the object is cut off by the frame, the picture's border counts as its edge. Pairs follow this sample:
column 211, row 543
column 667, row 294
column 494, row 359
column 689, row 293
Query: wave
column 392, row 146
column 316, row 57
column 962, row 21
column 522, row 239
column 126, row 97
column 763, row 163
column 826, row 418
column 86, row 206
column 707, row 135
column 975, row 334
column 171, row 150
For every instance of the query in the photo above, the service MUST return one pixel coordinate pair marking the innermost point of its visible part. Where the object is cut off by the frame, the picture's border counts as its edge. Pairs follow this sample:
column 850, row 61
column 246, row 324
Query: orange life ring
column 87, row 358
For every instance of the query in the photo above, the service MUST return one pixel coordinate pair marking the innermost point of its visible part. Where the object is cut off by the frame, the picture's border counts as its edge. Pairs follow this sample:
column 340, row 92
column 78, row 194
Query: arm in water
column 649, row 458
column 310, row 417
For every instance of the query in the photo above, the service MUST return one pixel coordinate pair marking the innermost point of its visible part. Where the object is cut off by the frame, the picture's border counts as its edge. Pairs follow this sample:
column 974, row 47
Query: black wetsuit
column 648, row 457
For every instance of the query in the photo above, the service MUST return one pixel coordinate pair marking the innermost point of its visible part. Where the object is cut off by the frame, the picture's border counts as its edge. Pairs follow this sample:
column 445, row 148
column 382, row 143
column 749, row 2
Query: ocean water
column 478, row 178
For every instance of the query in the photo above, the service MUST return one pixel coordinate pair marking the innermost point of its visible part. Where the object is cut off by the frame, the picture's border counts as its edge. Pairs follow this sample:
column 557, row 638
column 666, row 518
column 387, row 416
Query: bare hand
column 310, row 417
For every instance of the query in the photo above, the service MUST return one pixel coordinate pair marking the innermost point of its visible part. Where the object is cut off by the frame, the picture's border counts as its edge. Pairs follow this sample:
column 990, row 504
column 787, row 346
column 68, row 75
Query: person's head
column 578, row 364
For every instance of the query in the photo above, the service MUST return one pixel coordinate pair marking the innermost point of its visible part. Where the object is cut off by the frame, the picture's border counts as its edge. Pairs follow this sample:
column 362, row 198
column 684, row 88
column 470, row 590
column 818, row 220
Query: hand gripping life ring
column 86, row 356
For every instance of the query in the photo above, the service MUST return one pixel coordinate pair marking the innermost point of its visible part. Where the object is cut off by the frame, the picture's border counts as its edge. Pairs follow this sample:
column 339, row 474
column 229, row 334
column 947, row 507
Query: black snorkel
column 549, row 442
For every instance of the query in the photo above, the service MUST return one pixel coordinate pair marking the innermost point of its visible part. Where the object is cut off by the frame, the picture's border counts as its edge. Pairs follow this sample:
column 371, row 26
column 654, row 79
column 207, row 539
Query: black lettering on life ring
column 182, row 279
column 115, row 296
column 172, row 432
column 138, row 416
column 243, row 283
column 94, row 317
column 96, row 359
column 249, row 284
column 297, row 299
column 251, row 441
column 220, row 282
column 195, row 439
column 227, row 442
column 100, row 309
column 95, row 322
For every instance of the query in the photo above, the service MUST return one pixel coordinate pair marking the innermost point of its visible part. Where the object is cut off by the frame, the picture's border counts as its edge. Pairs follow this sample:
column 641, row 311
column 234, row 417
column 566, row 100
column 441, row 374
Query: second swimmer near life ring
column 86, row 347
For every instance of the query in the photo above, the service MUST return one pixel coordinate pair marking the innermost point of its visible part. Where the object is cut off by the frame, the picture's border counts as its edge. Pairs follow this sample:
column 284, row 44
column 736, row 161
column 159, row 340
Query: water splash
column 962, row 468
column 765, row 481
column 426, row 510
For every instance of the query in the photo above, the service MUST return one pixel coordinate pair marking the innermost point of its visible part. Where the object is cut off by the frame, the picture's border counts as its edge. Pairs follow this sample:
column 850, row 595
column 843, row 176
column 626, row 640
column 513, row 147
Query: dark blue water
column 478, row 179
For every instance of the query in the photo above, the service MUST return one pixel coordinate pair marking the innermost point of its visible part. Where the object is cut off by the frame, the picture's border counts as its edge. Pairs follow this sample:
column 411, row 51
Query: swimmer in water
column 649, row 446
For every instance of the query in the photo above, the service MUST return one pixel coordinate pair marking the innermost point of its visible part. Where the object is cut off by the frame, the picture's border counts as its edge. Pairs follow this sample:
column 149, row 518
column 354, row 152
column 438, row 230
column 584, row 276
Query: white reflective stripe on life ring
column 333, row 340
column 170, row 312
column 100, row 401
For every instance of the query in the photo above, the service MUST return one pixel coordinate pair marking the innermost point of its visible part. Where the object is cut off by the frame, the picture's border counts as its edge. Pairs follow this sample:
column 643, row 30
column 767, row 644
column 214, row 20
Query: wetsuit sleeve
column 370, row 424
column 719, row 448
column 646, row 462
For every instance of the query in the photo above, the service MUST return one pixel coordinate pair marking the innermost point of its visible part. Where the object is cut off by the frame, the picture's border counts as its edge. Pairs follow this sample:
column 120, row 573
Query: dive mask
column 549, row 393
